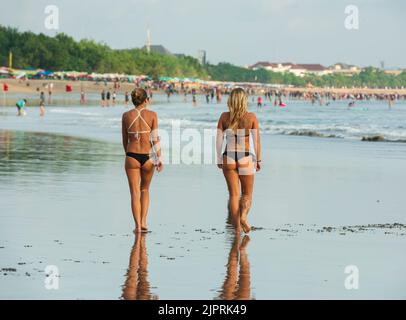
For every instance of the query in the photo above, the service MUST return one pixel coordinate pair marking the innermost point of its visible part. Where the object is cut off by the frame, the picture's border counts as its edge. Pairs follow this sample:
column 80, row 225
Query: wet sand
column 319, row 206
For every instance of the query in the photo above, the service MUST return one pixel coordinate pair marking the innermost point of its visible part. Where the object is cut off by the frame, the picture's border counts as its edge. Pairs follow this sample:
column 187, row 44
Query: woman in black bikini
column 237, row 162
column 143, row 154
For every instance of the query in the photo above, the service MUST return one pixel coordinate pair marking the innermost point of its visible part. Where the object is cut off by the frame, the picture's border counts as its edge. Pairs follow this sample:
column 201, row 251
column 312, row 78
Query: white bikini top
column 139, row 116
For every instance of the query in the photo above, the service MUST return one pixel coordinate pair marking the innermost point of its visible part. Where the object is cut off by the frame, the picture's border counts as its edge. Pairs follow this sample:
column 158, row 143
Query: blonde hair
column 237, row 104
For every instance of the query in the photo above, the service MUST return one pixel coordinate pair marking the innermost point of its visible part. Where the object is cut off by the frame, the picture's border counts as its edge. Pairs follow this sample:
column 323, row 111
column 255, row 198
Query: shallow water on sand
column 73, row 212
column 319, row 205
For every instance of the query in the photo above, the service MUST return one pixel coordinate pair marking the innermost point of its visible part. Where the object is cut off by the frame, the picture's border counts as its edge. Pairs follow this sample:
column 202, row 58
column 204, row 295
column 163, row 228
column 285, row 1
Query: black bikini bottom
column 141, row 158
column 238, row 155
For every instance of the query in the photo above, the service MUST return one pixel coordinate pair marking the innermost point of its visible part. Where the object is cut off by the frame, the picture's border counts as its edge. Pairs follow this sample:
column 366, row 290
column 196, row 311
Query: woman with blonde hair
column 143, row 154
column 237, row 161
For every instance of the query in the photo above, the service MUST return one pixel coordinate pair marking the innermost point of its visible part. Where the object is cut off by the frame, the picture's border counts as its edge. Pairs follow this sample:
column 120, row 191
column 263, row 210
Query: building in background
column 299, row 70
column 345, row 69
column 201, row 56
column 275, row 67
column 157, row 49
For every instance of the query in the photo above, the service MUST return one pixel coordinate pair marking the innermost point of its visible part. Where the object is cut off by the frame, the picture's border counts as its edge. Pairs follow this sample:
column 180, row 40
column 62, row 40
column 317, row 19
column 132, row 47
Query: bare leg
column 231, row 175
column 132, row 168
column 247, row 185
column 147, row 172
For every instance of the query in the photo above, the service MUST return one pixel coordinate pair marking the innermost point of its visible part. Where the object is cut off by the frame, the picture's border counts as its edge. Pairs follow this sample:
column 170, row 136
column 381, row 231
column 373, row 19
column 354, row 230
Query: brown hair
column 237, row 104
column 139, row 96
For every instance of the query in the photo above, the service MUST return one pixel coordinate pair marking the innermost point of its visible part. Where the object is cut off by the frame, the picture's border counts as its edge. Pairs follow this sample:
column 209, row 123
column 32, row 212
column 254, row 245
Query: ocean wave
column 309, row 133
column 70, row 111
column 381, row 139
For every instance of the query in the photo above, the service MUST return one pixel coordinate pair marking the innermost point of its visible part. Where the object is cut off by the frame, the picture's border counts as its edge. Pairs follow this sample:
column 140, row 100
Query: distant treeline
column 63, row 53
column 368, row 77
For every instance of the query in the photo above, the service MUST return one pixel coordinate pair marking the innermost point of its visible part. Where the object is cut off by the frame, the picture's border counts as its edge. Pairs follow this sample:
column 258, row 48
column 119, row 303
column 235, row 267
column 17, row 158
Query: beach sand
column 319, row 206
column 92, row 87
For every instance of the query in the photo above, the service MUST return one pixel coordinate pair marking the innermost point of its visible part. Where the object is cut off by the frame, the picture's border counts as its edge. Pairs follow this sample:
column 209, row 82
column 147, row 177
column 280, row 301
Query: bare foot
column 245, row 227
column 137, row 231
column 244, row 223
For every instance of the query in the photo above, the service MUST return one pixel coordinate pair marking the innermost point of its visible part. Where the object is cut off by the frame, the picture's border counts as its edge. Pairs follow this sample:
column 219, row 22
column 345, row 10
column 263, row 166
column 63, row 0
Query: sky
column 236, row 31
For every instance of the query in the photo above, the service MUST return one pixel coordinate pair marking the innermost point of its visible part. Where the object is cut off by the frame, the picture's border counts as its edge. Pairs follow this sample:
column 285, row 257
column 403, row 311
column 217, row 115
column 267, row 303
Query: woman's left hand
column 159, row 166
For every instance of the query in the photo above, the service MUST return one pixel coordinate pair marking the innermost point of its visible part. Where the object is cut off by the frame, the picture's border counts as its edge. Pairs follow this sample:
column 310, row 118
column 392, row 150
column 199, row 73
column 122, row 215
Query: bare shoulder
column 151, row 113
column 125, row 115
column 252, row 116
column 225, row 115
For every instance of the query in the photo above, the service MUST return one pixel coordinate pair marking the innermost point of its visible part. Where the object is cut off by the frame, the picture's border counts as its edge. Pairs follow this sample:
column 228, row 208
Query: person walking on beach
column 50, row 89
column 126, row 98
column 42, row 108
column 259, row 104
column 143, row 154
column 103, row 98
column 114, row 98
column 237, row 162
column 108, row 96
column 82, row 97
column 390, row 102
column 42, row 98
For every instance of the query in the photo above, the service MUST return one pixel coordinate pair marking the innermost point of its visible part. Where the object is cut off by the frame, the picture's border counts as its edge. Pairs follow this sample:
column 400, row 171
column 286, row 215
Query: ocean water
column 366, row 119
column 319, row 205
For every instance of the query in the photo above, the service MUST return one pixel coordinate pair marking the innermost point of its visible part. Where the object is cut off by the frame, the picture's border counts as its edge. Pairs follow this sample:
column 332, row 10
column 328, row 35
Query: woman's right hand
column 220, row 163
column 258, row 168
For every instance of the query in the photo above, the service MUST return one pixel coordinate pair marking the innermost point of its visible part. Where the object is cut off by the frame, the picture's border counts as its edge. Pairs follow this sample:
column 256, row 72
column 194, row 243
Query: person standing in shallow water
column 143, row 154
column 237, row 162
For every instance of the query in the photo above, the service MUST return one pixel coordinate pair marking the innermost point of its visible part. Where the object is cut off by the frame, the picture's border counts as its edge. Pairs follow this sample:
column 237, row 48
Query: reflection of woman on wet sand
column 237, row 285
column 140, row 141
column 136, row 286
column 237, row 162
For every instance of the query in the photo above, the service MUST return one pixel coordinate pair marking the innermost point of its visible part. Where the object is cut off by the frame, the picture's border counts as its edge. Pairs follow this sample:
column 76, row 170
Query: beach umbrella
column 20, row 74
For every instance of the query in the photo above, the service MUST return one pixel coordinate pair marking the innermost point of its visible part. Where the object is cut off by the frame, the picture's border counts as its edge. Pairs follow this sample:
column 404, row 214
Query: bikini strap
column 139, row 116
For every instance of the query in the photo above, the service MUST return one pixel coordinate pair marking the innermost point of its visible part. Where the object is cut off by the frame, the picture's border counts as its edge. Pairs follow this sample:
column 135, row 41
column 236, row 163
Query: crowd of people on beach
column 261, row 95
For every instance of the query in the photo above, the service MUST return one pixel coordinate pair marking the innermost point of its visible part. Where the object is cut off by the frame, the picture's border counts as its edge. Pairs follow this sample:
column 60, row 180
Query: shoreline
column 20, row 87
column 295, row 121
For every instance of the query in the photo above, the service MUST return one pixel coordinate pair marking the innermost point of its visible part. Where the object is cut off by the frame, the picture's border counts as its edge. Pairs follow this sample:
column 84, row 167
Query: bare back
column 137, row 129
column 238, row 139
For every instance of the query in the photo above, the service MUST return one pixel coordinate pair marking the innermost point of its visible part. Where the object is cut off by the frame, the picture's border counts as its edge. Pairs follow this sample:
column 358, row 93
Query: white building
column 297, row 69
